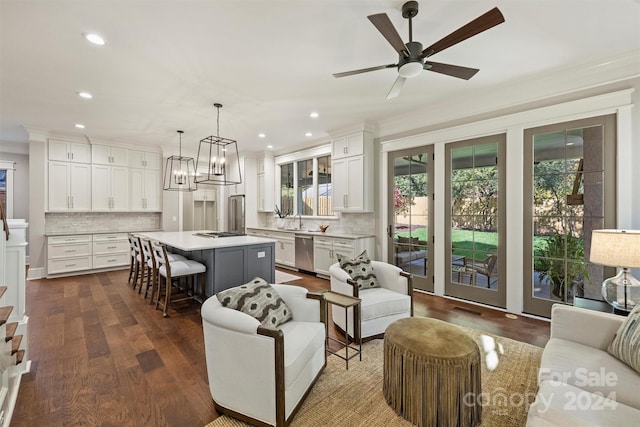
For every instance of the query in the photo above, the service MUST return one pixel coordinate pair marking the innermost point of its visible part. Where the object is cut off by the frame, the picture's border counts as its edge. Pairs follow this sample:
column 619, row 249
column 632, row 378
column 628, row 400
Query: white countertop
column 189, row 241
column 327, row 233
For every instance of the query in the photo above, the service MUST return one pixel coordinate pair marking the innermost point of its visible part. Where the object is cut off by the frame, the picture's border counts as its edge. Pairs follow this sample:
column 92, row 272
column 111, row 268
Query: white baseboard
column 35, row 273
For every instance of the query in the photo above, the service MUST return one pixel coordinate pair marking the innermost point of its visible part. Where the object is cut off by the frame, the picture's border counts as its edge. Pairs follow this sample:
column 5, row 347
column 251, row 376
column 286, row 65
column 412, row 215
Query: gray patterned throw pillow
column 360, row 270
column 625, row 345
column 257, row 299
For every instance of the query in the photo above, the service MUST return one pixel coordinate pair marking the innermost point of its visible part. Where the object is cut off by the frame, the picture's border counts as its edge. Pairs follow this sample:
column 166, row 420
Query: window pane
column 286, row 188
column 324, row 186
column 305, row 189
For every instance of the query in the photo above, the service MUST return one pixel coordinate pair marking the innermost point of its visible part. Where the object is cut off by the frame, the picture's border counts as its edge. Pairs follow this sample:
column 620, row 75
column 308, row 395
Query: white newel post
column 13, row 276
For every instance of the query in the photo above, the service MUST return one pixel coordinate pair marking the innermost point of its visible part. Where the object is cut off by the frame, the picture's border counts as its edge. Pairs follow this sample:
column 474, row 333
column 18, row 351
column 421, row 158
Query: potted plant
column 563, row 276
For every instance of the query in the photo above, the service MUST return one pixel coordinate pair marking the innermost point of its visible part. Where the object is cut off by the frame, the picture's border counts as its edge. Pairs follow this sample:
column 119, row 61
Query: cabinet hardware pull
column 111, row 247
column 70, row 250
column 69, row 265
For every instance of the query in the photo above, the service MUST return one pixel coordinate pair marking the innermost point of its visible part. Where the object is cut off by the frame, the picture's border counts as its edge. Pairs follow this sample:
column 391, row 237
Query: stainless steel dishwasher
column 304, row 252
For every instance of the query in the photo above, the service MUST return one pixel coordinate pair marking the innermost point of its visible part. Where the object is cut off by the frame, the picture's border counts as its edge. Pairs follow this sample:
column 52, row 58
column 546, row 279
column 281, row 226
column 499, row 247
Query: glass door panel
column 474, row 241
column 567, row 167
column 410, row 204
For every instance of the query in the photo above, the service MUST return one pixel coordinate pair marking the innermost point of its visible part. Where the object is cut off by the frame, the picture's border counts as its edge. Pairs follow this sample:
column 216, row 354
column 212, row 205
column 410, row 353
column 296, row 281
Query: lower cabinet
column 110, row 250
column 285, row 245
column 326, row 249
column 83, row 252
column 66, row 254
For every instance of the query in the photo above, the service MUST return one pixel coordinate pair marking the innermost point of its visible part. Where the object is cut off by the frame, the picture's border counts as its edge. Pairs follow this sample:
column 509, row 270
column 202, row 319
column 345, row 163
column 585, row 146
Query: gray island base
column 230, row 261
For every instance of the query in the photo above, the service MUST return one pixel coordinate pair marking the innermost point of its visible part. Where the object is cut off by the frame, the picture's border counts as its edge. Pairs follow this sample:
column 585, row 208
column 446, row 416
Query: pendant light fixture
column 218, row 159
column 180, row 172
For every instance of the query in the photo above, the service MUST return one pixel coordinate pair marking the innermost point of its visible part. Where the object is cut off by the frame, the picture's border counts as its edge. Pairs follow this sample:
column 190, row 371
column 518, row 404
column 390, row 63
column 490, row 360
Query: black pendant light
column 218, row 161
column 180, row 172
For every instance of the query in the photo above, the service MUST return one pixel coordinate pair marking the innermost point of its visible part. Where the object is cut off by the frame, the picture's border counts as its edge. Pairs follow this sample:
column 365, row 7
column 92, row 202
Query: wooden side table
column 346, row 302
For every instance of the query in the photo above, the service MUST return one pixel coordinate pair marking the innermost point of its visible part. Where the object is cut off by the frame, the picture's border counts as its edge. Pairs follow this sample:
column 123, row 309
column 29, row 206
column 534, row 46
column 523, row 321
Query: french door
column 475, row 196
column 569, row 179
column 410, row 229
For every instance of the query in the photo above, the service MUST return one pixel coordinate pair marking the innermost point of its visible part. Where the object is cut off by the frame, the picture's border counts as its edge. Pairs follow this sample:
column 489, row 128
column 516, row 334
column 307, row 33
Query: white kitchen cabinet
column 352, row 178
column 69, row 151
column 285, row 249
column 266, row 184
column 144, row 192
column 325, row 250
column 109, row 188
column 205, row 213
column 108, row 155
column 66, row 254
column 144, row 160
column 71, row 254
column 348, row 145
column 69, row 187
column 205, row 195
column 110, row 250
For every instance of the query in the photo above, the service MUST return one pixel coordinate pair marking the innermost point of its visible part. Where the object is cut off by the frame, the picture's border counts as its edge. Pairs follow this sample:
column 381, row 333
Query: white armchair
column 379, row 306
column 262, row 375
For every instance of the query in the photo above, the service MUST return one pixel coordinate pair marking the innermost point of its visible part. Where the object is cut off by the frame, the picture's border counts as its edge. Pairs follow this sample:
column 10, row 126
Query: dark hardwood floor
column 101, row 355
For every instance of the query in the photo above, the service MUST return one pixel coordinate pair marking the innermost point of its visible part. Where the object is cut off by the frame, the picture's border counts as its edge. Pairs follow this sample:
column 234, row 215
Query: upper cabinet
column 109, row 188
column 69, row 187
column 348, row 145
column 111, row 156
column 352, row 167
column 69, row 151
column 144, row 160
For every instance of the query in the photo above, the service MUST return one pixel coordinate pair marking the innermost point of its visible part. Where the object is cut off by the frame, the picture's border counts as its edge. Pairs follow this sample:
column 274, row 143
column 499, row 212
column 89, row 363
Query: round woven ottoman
column 432, row 373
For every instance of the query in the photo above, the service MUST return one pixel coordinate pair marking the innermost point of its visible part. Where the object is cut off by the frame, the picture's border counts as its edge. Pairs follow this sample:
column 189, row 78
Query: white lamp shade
column 616, row 248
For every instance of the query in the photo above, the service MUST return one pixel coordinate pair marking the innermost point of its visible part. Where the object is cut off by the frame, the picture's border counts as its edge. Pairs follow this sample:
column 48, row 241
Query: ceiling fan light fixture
column 410, row 69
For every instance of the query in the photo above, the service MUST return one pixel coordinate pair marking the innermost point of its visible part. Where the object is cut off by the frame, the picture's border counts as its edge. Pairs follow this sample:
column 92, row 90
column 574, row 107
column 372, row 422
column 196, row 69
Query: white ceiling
column 270, row 63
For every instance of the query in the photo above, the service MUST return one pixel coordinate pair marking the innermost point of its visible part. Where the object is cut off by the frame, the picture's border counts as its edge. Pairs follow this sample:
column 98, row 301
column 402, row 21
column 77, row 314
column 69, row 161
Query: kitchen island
column 230, row 260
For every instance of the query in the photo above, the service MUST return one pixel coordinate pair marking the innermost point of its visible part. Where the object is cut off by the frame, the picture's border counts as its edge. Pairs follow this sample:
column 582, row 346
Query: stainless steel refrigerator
column 235, row 218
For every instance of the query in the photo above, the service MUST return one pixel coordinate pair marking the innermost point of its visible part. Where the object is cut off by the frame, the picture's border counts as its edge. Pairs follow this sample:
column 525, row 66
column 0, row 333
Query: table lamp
column 618, row 248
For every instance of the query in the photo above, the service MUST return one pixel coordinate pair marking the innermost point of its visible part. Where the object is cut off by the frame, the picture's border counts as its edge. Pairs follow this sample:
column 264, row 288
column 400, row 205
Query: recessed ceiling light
column 308, row 134
column 85, row 95
column 314, row 115
column 269, row 146
column 261, row 135
column 79, row 125
column 95, row 39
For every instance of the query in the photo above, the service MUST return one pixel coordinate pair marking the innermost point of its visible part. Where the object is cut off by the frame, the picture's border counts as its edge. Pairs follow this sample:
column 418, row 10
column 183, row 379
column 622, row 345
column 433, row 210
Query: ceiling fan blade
column 382, row 22
column 478, row 25
column 364, row 70
column 451, row 70
column 397, row 86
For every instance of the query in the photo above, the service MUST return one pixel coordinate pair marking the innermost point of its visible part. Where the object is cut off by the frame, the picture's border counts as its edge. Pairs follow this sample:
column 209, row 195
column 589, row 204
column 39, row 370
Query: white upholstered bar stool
column 132, row 253
column 169, row 271
column 152, row 267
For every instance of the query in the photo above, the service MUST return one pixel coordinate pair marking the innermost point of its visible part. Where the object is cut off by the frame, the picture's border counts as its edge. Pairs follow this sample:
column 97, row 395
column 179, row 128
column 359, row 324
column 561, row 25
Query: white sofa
column 262, row 375
column 580, row 384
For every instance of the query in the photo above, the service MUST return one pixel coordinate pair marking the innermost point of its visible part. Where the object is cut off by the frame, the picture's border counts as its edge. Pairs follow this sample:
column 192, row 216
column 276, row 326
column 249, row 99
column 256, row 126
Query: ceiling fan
column 413, row 58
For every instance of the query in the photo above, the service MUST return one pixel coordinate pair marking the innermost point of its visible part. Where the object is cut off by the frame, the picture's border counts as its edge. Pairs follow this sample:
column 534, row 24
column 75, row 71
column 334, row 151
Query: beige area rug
column 354, row 397
column 282, row 277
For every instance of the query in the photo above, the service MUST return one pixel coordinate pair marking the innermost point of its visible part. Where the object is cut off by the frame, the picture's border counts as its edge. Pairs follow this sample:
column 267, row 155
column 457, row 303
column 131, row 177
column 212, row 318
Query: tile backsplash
column 348, row 223
column 86, row 222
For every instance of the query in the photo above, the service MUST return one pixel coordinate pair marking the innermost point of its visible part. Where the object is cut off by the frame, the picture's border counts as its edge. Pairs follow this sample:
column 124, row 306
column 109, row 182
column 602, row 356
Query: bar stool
column 168, row 271
column 151, row 266
column 132, row 261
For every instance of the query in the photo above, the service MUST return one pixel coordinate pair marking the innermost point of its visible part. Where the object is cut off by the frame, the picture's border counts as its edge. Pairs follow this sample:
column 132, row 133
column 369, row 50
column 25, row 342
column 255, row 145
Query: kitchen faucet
column 299, row 221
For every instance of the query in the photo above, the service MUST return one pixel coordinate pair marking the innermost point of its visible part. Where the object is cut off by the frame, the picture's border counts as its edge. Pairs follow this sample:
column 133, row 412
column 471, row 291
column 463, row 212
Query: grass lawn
column 466, row 242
